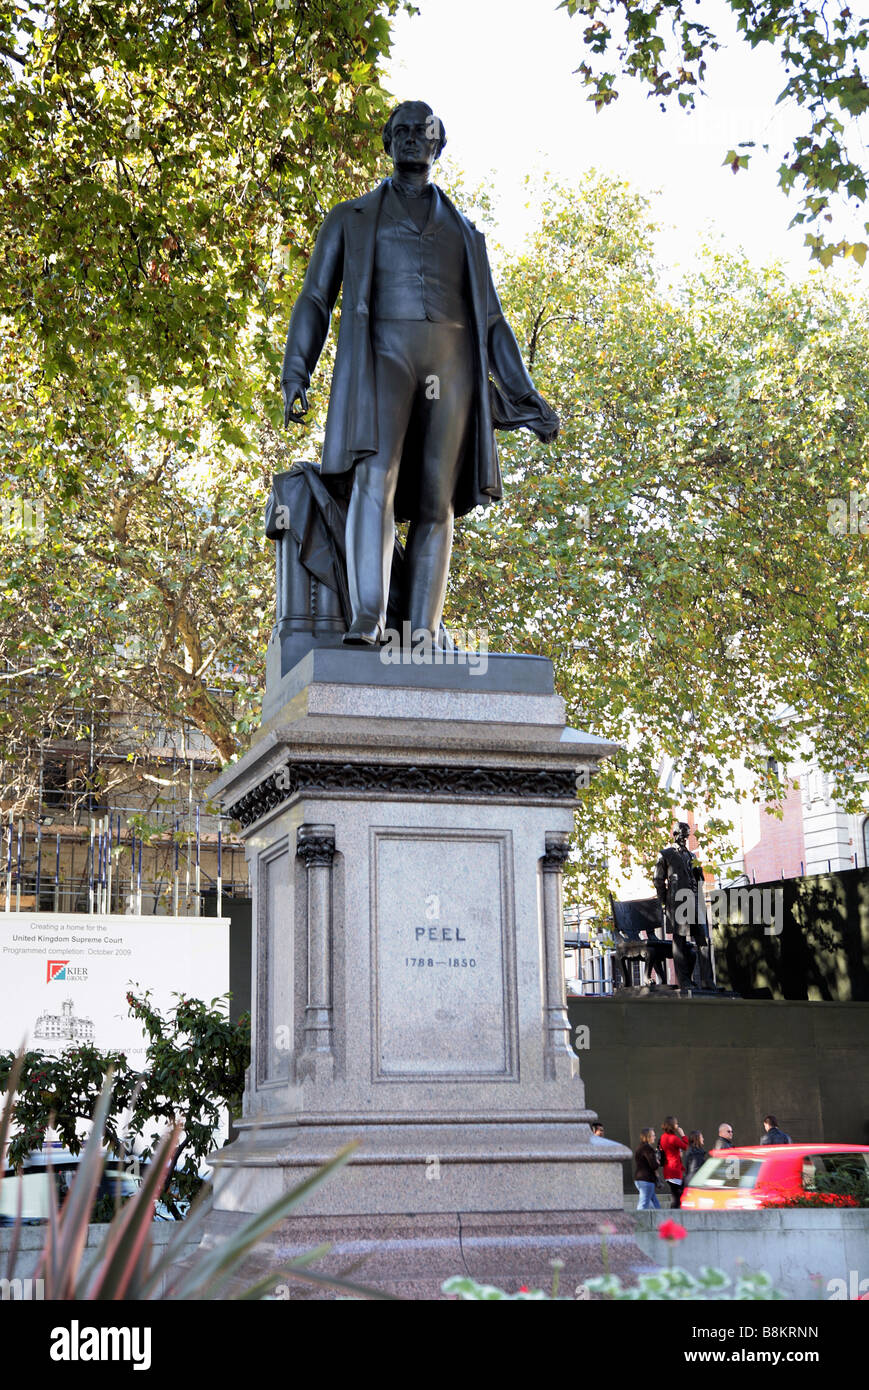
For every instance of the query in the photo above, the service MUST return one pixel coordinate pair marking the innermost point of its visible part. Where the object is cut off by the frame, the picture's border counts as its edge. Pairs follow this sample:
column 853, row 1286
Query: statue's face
column 415, row 137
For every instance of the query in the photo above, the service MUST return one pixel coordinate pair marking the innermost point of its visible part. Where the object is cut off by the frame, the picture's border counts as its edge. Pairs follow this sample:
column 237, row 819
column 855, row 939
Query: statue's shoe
column 362, row 636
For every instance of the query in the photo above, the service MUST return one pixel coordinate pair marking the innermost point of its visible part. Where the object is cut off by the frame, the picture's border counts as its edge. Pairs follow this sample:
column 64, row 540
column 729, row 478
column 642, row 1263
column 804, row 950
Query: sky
column 500, row 75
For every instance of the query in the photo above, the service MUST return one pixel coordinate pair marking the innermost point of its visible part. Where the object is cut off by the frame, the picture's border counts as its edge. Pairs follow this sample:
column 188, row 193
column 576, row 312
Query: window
column 836, row 1169
column 727, row 1173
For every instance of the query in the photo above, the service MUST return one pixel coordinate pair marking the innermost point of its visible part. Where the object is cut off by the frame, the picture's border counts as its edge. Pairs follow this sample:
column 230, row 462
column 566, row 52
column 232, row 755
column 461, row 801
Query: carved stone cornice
column 419, row 778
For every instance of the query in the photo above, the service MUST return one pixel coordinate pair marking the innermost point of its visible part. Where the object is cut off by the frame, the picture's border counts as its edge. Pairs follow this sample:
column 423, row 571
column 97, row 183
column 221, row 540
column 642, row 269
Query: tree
column 196, row 1063
column 823, row 52
column 166, row 166
column 673, row 551
column 163, row 163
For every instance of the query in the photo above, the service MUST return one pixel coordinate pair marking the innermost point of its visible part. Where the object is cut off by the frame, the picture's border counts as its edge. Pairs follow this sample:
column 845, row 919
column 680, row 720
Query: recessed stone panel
column 275, row 969
column 442, row 985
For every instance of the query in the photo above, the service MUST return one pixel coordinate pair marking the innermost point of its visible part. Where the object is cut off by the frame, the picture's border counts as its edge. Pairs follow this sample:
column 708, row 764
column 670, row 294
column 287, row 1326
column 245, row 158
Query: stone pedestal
column 406, row 828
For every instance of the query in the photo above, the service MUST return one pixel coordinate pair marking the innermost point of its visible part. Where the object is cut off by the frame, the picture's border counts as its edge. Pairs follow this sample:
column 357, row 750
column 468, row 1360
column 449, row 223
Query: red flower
column 809, row 1199
column 671, row 1230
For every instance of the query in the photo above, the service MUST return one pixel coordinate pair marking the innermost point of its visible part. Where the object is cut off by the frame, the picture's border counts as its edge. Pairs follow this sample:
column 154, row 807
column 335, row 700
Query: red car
column 744, row 1179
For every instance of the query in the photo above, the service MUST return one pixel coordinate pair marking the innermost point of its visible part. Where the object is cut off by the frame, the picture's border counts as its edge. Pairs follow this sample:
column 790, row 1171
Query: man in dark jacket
column 772, row 1134
column 411, row 409
column 725, row 1136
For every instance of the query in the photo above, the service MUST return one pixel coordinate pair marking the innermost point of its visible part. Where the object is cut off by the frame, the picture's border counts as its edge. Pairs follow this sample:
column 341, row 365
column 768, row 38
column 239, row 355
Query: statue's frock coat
column 344, row 255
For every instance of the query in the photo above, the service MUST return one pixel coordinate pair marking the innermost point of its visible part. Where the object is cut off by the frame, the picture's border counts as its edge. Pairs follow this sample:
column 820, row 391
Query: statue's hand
column 294, row 391
column 547, row 429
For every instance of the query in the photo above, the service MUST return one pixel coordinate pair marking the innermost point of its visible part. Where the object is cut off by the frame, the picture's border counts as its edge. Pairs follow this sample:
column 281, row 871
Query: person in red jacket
column 672, row 1142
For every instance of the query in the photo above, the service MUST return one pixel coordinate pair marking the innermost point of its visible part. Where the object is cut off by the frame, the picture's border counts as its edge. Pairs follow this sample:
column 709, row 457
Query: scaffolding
column 105, row 866
column 107, row 813
column 589, row 953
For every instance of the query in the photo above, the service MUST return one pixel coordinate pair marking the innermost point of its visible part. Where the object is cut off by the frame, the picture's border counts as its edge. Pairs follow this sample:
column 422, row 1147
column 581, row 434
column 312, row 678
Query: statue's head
column 682, row 833
column 414, row 136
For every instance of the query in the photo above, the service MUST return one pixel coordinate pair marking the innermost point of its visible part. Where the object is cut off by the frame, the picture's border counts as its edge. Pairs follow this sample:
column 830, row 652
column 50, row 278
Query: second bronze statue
column 412, row 409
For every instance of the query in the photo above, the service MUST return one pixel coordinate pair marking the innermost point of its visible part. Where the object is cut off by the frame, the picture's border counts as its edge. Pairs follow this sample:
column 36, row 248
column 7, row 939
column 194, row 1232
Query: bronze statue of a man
column 678, row 882
column 412, row 408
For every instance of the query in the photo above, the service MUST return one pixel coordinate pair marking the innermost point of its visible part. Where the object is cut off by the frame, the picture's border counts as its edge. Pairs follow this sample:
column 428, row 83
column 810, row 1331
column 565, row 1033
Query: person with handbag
column 646, row 1167
column 673, row 1142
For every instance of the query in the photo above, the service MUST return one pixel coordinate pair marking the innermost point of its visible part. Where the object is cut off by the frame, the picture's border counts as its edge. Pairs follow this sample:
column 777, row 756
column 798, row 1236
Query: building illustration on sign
column 64, row 1027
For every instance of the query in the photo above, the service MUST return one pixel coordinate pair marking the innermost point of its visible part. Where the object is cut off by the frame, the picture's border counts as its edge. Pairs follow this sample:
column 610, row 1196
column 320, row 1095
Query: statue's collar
column 409, row 190
column 397, row 207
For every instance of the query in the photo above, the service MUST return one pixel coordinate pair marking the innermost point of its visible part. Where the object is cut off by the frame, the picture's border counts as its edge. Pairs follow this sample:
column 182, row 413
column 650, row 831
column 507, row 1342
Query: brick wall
column 781, row 848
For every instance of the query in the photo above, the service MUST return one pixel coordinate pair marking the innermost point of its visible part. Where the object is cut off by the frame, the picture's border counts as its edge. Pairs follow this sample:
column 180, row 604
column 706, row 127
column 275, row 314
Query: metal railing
column 164, row 866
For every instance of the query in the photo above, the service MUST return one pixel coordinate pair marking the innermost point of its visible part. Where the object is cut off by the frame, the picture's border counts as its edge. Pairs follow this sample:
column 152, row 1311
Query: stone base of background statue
column 406, row 828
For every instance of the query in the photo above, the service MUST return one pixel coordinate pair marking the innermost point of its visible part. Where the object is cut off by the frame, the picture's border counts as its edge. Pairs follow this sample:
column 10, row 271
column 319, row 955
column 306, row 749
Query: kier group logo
column 62, row 970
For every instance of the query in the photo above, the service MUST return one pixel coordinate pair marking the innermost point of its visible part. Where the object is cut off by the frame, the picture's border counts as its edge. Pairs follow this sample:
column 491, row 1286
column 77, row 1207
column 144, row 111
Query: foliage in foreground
column 661, row 1285
column 676, row 1284
column 126, row 1266
column 469, row 1291
column 670, row 1284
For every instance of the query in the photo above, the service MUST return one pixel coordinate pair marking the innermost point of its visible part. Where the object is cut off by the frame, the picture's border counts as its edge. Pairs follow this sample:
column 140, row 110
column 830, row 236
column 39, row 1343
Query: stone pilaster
column 559, row 1059
column 315, row 845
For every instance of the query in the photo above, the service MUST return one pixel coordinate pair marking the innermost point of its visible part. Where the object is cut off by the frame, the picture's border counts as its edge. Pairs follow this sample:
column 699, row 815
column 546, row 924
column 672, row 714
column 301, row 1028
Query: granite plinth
column 406, row 843
column 410, row 1256
column 410, row 1163
column 330, row 663
column 329, row 715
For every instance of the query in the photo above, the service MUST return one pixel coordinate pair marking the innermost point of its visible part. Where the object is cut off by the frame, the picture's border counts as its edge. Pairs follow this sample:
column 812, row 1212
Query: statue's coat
column 344, row 254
